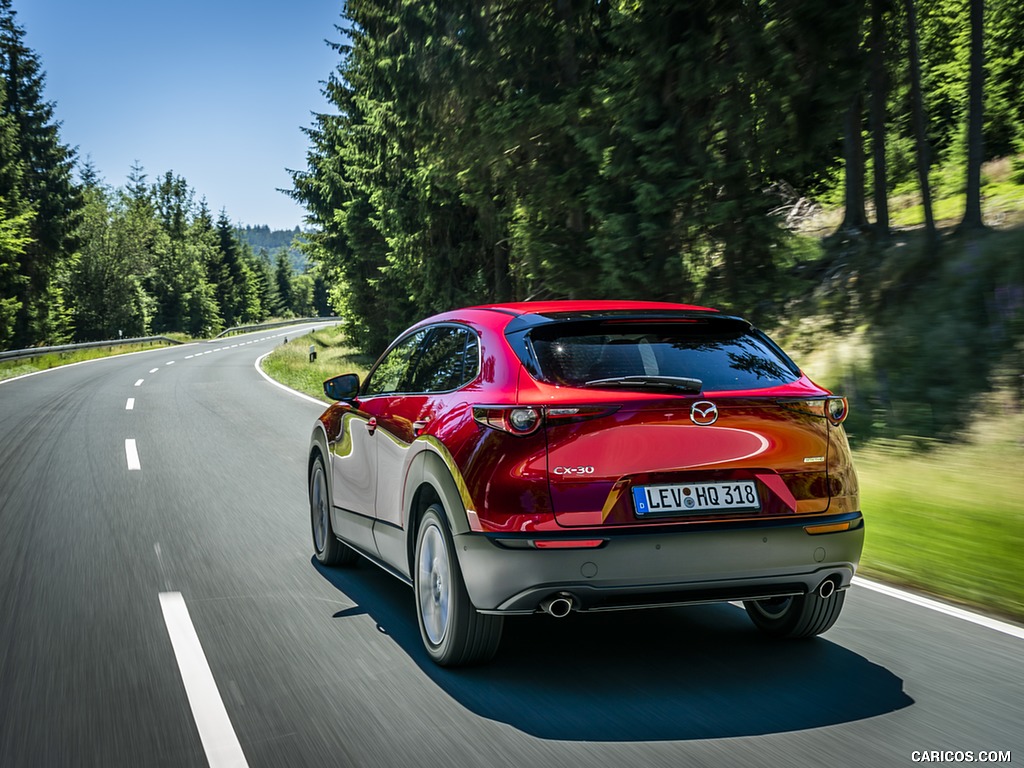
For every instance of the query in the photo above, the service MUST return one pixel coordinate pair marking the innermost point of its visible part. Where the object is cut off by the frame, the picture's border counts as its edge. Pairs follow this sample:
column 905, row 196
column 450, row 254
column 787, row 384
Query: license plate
column 693, row 498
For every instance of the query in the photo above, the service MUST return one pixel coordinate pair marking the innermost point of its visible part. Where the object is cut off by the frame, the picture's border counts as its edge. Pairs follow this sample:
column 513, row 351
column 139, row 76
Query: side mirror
column 343, row 388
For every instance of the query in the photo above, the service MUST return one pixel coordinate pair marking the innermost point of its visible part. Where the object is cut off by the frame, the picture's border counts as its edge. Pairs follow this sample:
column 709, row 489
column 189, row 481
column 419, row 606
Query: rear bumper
column 634, row 570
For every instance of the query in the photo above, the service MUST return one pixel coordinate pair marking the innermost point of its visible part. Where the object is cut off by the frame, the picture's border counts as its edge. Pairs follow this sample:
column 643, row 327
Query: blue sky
column 215, row 91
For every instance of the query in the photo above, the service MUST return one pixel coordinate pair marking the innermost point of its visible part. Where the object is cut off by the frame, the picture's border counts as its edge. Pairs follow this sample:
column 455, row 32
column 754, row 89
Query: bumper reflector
column 827, row 528
column 568, row 543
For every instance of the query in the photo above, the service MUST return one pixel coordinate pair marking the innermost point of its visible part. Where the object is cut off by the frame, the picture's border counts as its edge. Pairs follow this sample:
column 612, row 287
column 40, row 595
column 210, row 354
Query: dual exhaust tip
column 562, row 604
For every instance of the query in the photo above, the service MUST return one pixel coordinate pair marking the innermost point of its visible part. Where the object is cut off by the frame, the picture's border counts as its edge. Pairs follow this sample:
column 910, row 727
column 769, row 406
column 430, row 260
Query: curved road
column 172, row 615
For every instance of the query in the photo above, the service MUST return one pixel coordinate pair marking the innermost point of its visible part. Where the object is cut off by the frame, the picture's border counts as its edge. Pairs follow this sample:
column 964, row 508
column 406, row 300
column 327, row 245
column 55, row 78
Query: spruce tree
column 46, row 186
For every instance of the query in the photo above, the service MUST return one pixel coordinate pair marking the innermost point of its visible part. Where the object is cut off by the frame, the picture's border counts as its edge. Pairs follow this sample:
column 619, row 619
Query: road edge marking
column 279, row 385
column 936, row 605
column 220, row 742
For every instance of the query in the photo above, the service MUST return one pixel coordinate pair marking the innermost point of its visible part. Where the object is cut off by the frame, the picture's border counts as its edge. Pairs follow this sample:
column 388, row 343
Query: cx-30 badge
column 703, row 413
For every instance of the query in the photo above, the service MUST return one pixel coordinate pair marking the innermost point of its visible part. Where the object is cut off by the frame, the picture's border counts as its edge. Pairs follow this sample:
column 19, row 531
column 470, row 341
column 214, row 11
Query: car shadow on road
column 697, row 672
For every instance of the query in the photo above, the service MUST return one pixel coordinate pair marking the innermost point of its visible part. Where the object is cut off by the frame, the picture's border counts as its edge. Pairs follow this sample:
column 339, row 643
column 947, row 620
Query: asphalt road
column 314, row 666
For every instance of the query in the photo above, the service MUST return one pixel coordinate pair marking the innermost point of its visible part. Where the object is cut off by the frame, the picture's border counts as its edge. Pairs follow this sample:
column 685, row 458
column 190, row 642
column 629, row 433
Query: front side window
column 438, row 359
column 394, row 372
column 449, row 360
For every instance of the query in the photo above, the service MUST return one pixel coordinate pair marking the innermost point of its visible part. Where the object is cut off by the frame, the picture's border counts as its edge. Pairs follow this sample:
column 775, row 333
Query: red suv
column 588, row 456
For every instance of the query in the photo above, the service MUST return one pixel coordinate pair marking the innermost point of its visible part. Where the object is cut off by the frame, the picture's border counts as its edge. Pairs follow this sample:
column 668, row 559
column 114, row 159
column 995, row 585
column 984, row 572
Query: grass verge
column 949, row 522
column 290, row 365
column 9, row 369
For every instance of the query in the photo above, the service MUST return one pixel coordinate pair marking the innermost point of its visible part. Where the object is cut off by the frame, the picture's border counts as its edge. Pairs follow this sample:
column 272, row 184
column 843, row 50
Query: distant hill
column 262, row 237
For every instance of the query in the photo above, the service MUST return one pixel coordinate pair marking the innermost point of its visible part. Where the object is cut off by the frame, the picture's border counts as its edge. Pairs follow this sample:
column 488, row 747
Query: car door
column 355, row 451
column 446, row 360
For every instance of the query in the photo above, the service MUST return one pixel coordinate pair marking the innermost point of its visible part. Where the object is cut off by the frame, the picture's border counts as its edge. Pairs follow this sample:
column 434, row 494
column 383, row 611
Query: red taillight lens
column 568, row 543
column 836, row 409
column 524, row 420
column 832, row 407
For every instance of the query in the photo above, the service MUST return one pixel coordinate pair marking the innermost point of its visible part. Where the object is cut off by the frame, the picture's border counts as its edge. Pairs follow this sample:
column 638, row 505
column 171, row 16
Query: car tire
column 326, row 546
column 453, row 631
column 796, row 616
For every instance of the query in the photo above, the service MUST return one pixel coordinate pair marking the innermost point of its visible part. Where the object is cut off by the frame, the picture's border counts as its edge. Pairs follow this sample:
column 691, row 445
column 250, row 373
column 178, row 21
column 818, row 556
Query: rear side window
column 723, row 355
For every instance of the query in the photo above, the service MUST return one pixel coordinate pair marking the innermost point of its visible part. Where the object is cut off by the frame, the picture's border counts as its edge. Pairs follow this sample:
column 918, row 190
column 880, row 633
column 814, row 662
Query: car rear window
column 725, row 354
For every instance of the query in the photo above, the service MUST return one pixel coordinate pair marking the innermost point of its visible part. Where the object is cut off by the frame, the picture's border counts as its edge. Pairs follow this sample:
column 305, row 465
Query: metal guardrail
column 278, row 324
column 19, row 354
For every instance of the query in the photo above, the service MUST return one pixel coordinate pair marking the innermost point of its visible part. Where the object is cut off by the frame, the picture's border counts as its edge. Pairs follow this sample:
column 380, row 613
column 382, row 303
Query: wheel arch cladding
column 429, row 481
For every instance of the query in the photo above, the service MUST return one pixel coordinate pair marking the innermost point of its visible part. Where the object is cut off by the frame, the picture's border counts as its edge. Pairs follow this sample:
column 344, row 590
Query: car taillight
column 515, row 421
column 831, row 407
column 524, row 420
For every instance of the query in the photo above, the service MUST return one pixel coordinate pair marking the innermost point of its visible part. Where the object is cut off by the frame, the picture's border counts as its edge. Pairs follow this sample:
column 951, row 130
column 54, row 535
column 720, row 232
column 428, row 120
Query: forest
column 83, row 261
column 665, row 149
column 656, row 149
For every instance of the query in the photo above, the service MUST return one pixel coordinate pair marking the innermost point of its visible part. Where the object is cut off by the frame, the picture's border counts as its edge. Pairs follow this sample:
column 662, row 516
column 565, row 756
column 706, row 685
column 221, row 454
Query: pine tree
column 15, row 232
column 283, row 275
column 46, row 186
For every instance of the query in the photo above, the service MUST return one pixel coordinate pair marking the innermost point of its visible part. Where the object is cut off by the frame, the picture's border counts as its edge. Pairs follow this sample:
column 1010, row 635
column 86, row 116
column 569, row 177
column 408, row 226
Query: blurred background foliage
column 807, row 164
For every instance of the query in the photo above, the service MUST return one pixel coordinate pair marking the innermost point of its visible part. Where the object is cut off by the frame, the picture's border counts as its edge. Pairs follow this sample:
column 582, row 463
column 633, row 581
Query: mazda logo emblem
column 703, row 413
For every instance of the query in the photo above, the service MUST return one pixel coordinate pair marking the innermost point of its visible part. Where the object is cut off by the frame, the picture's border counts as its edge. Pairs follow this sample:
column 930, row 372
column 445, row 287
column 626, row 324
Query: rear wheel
column 453, row 632
column 795, row 616
column 328, row 549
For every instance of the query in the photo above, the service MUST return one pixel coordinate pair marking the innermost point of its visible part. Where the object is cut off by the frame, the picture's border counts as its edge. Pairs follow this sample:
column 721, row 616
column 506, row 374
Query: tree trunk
column 920, row 133
column 976, row 114
column 879, row 94
column 855, row 220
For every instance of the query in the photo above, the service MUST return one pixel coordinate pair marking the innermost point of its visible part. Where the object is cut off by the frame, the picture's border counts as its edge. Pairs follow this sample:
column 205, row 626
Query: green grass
column 12, row 368
column 950, row 522
column 289, row 363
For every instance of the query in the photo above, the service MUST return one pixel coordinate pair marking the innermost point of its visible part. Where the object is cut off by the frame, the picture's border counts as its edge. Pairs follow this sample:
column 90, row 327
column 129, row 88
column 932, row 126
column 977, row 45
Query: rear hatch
column 685, row 417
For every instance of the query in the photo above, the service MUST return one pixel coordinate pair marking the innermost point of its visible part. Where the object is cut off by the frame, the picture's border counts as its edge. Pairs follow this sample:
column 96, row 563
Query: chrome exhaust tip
column 559, row 605
column 827, row 588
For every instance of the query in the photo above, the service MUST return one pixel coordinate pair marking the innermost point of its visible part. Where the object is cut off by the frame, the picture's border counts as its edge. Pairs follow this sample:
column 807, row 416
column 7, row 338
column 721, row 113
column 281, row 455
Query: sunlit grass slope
column 950, row 521
column 290, row 365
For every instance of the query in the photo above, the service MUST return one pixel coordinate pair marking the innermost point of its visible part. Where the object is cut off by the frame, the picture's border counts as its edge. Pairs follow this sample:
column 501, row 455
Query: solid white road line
column 279, row 385
column 949, row 610
column 130, row 405
column 131, row 452
column 215, row 730
column 139, row 382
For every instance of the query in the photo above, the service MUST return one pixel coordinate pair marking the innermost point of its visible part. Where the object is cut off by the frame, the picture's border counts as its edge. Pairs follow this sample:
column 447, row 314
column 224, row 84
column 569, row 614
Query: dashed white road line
column 153, row 370
column 130, row 404
column 215, row 730
column 139, row 382
column 131, row 452
column 169, row 362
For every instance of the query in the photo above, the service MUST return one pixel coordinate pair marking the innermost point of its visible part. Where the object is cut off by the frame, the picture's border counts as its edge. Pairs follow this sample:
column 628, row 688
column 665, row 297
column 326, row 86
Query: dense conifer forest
column 475, row 152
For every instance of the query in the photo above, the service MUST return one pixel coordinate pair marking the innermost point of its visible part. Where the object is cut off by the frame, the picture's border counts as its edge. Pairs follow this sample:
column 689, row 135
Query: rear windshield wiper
column 654, row 382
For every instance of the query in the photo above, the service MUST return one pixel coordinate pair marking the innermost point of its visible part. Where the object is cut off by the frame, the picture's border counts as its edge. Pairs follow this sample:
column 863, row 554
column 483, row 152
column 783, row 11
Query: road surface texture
column 159, row 606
